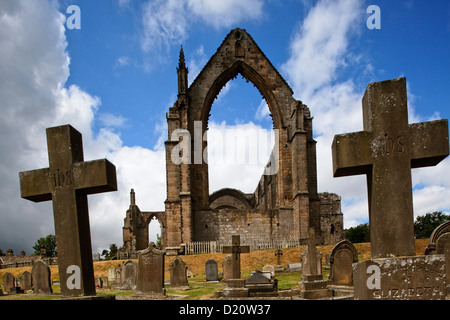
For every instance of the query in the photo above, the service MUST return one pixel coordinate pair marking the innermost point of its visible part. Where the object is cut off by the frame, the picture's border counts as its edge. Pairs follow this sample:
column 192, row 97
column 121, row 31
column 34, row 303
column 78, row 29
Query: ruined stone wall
column 331, row 218
column 251, row 225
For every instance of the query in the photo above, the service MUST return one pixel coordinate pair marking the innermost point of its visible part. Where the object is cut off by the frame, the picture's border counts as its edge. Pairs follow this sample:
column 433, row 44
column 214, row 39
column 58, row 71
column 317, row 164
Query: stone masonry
column 284, row 205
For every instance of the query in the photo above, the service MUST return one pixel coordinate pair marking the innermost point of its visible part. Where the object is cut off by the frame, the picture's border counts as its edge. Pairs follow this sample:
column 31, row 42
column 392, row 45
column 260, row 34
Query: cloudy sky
column 115, row 78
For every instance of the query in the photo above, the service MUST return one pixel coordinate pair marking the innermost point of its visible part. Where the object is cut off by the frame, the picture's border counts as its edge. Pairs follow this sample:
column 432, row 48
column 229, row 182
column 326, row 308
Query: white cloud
column 226, row 13
column 33, row 71
column 319, row 53
column 167, row 22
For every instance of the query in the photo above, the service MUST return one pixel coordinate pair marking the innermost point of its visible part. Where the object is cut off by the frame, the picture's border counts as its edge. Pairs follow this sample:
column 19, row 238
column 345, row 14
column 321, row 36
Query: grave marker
column 9, row 281
column 211, row 270
column 40, row 276
column 150, row 272
column 386, row 151
column 178, row 274
column 67, row 182
column 236, row 249
column 25, row 281
column 342, row 257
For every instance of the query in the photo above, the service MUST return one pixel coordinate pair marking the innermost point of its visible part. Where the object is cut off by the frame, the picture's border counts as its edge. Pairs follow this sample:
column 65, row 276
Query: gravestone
column 178, row 274
column 312, row 285
column 8, row 281
column 40, row 276
column 269, row 269
column 439, row 239
column 150, row 273
column 294, row 267
column 311, row 258
column 236, row 249
column 227, row 267
column 128, row 275
column 386, row 151
column 26, row 282
column 258, row 284
column 279, row 267
column 211, row 270
column 111, row 275
column 342, row 257
column 67, row 182
column 405, row 278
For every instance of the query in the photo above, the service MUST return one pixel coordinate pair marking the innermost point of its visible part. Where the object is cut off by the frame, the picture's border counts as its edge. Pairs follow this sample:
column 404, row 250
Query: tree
column 358, row 234
column 158, row 241
column 111, row 253
column 424, row 225
column 49, row 242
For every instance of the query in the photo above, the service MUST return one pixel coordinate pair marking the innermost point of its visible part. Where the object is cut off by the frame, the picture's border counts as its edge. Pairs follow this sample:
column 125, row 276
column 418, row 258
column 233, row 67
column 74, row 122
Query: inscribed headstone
column 40, row 275
column 342, row 257
column 402, row 278
column 211, row 270
column 128, row 275
column 8, row 281
column 178, row 273
column 25, row 282
column 150, row 273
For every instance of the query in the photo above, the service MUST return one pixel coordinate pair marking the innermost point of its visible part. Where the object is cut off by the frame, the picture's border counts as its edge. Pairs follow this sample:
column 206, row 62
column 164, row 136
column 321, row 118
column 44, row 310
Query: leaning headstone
column 178, row 274
column 342, row 257
column 439, row 239
column 385, row 152
column 40, row 275
column 211, row 270
column 150, row 273
column 128, row 275
column 8, row 281
column 67, row 182
column 26, row 282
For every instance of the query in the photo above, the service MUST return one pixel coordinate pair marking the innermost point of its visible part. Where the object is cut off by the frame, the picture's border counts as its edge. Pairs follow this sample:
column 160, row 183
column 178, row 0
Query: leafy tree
column 158, row 241
column 111, row 253
column 49, row 242
column 424, row 225
column 2, row 253
column 358, row 234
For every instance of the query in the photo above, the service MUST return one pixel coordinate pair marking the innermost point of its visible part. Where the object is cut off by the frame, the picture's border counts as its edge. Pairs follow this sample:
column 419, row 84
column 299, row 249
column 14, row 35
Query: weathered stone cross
column 67, row 182
column 278, row 254
column 386, row 151
column 236, row 249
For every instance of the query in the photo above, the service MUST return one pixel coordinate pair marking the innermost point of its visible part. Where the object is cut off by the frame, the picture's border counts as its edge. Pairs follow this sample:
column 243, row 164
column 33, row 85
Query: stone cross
column 386, row 151
column 236, row 249
column 67, row 182
column 278, row 254
column 312, row 251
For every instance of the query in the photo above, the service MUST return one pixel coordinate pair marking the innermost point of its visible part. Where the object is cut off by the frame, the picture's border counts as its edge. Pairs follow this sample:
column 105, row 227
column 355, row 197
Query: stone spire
column 132, row 197
column 182, row 73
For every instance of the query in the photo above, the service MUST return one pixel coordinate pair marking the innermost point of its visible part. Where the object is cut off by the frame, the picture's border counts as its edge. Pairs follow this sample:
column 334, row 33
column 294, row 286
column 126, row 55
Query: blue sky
column 115, row 78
